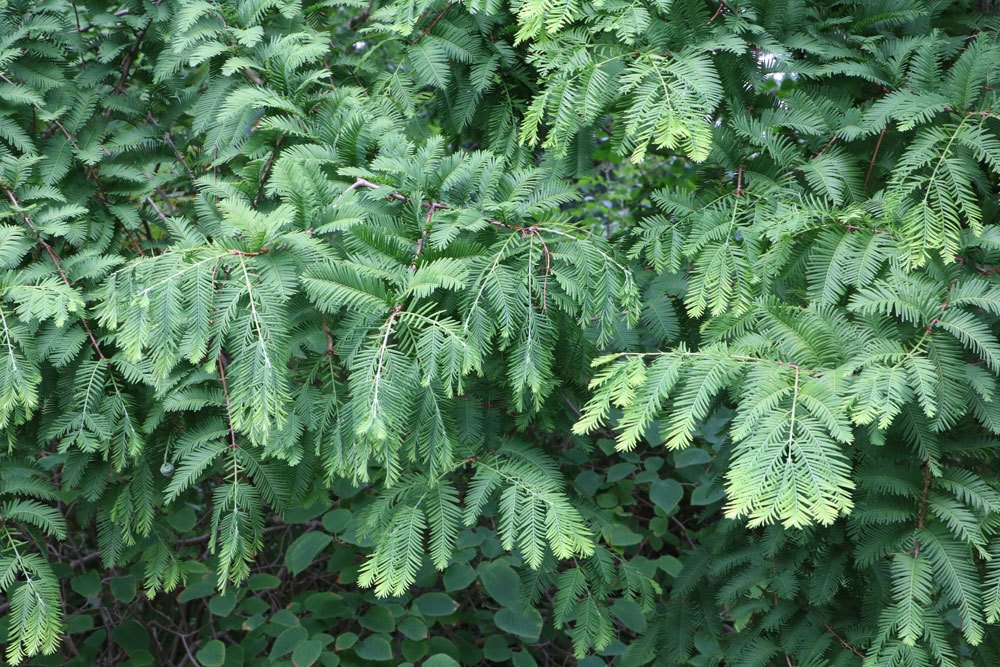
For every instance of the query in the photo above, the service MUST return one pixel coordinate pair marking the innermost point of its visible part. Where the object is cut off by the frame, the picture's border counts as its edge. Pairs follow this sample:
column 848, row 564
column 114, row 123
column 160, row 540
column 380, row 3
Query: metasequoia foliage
column 636, row 332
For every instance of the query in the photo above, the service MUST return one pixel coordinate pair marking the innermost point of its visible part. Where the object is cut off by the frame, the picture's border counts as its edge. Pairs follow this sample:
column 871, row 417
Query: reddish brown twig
column 718, row 10
column 871, row 164
column 832, row 141
column 253, row 77
column 423, row 236
column 365, row 183
column 843, row 642
column 533, row 230
column 267, row 169
column 128, row 62
column 225, row 393
column 362, row 17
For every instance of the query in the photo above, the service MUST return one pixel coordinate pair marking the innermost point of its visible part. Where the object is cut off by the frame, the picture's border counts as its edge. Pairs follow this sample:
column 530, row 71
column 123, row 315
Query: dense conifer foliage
column 541, row 332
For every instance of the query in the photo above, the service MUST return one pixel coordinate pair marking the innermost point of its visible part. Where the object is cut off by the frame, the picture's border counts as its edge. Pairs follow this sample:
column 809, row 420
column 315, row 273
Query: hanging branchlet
column 344, row 275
